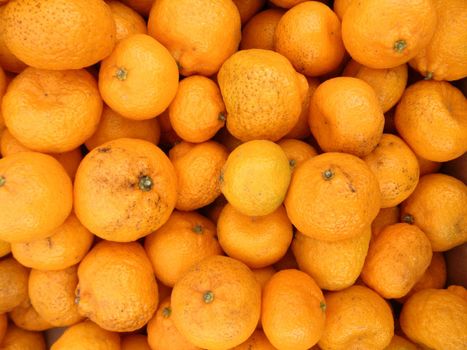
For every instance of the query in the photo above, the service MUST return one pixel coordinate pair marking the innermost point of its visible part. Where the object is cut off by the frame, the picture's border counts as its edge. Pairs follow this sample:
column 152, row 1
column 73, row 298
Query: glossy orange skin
column 52, row 111
column 297, row 151
column 52, row 295
column 228, row 315
column 65, row 247
column 385, row 217
column 134, row 342
column 432, row 118
column 123, row 78
column 127, row 20
column 256, row 241
column 309, row 35
column 199, row 34
column 434, row 277
column 26, row 317
column 444, row 56
column 346, row 116
column 59, row 34
column 257, row 341
column 87, row 335
column 111, row 199
column 248, row 8
column 396, row 168
column 439, row 207
column 36, row 197
column 258, row 33
column 8, row 61
column 389, row 84
column 14, row 284
column 435, row 318
column 262, row 94
column 17, row 338
column 184, row 240
column 285, row 293
column 351, row 197
column 115, row 277
column 255, row 177
column 301, row 129
column 162, row 333
column 113, row 126
column 396, row 260
column 197, row 112
column 385, row 34
column 356, row 318
column 318, row 259
column 198, row 168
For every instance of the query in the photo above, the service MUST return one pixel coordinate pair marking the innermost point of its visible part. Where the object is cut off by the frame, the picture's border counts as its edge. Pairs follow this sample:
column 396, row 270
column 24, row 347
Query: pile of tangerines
column 218, row 174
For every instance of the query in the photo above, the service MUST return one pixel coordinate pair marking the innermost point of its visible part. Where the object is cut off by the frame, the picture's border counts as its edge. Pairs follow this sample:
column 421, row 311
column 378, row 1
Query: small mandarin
column 13, row 284
column 333, row 196
column 52, row 295
column 123, row 78
column 257, row 241
column 197, row 112
column 127, row 20
column 65, row 247
column 396, row 260
column 52, row 111
column 162, row 333
column 346, row 116
column 318, row 259
column 185, row 239
column 293, row 310
column 439, row 207
column 36, row 196
column 255, row 177
column 356, row 318
column 309, row 35
column 115, row 277
column 198, row 168
column 435, row 318
column 217, row 303
column 258, row 33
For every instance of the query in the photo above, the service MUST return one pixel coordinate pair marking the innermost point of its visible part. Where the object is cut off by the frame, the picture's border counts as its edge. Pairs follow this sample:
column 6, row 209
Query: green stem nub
column 408, row 219
column 208, row 297
column 197, row 229
column 2, row 181
column 121, row 74
column 428, row 76
column 221, row 116
column 292, row 163
column 328, row 174
column 400, row 45
column 166, row 312
column 145, row 183
column 322, row 305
